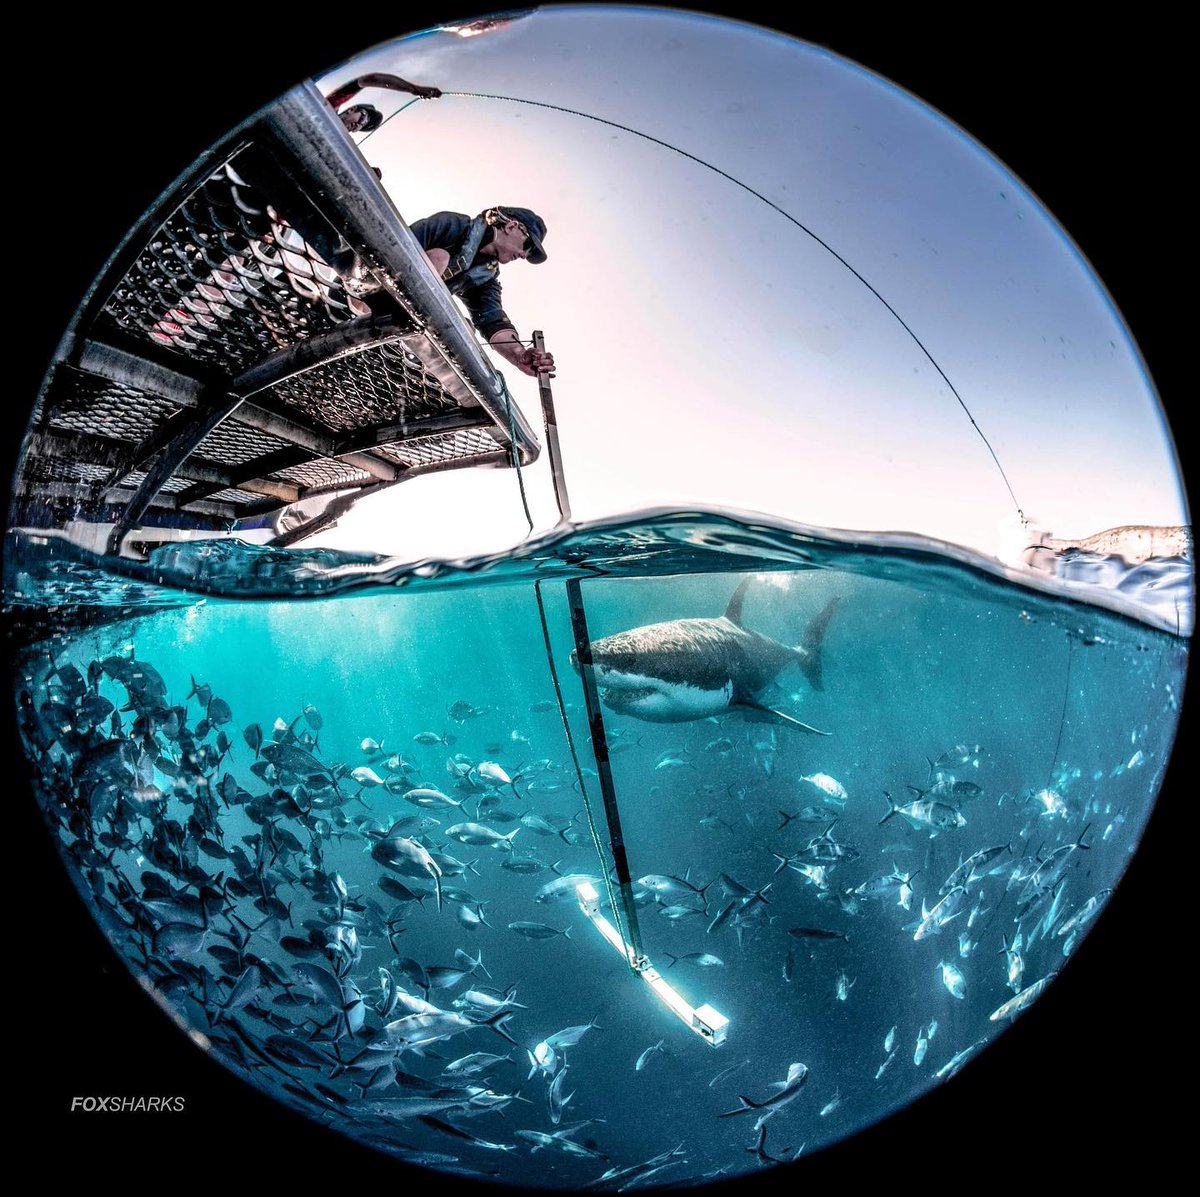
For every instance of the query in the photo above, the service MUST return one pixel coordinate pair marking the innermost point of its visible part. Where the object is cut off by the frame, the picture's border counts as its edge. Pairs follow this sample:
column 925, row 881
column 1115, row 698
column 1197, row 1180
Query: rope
column 474, row 95
column 516, row 458
column 389, row 117
column 587, row 806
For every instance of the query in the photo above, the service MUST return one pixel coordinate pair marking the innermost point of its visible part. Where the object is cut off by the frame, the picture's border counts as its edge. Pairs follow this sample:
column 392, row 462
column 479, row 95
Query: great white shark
column 695, row 668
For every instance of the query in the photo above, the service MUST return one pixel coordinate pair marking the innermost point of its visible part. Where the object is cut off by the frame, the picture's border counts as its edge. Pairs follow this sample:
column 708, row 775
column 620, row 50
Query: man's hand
column 528, row 361
column 534, row 363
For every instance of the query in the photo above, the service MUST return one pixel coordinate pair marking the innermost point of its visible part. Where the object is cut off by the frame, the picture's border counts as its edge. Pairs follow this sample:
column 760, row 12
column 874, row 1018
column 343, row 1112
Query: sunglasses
column 527, row 245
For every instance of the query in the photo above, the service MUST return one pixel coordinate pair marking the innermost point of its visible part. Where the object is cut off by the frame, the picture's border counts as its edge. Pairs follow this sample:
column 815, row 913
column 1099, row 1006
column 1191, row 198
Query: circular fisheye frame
column 598, row 598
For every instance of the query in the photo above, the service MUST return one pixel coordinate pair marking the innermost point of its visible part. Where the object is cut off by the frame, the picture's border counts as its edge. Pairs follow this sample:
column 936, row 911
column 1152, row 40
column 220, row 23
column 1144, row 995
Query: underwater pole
column 591, row 695
column 552, row 445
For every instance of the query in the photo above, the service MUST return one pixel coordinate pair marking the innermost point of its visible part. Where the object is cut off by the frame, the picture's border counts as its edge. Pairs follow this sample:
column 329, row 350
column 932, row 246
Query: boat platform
column 267, row 346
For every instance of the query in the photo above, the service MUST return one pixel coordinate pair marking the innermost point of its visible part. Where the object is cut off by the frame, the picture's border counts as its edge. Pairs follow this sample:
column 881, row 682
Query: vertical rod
column 552, row 446
column 583, row 654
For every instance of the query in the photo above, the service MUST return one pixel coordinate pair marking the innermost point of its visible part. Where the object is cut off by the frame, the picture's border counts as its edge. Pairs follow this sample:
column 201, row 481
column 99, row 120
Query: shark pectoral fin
column 771, row 714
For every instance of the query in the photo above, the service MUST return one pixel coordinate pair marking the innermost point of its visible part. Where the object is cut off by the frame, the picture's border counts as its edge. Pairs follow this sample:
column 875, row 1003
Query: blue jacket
column 474, row 282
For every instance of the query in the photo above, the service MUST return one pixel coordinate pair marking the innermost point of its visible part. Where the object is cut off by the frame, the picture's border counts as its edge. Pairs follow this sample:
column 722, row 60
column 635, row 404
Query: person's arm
column 525, row 358
column 490, row 318
column 389, row 82
column 439, row 259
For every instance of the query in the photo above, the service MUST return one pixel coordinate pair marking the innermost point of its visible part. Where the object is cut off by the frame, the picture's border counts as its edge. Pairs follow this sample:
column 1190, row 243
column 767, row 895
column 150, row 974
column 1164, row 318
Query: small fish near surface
column 688, row 669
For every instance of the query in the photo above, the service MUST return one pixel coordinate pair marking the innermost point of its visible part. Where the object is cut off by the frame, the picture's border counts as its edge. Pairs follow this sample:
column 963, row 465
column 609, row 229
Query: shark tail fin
column 808, row 651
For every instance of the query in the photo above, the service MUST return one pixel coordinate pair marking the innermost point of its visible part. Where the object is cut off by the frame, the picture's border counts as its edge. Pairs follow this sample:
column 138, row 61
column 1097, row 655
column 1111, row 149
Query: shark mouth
column 623, row 698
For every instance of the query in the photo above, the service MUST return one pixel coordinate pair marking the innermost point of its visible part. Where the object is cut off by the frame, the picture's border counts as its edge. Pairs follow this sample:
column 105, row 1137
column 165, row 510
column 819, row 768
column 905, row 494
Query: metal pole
column 583, row 654
column 552, row 446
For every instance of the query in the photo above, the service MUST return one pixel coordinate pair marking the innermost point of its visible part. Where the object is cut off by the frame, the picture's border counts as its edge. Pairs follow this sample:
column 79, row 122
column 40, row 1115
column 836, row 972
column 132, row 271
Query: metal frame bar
column 406, row 430
column 608, row 790
column 306, row 130
column 553, row 448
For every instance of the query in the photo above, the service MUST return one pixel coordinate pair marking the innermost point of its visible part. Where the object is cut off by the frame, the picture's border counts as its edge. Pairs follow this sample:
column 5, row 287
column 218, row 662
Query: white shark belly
column 665, row 702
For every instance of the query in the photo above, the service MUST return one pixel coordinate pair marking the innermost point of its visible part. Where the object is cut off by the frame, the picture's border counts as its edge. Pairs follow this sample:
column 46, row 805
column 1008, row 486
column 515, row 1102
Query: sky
column 710, row 351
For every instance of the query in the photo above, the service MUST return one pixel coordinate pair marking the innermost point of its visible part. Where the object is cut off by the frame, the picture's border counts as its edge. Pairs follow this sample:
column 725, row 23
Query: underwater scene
column 356, row 842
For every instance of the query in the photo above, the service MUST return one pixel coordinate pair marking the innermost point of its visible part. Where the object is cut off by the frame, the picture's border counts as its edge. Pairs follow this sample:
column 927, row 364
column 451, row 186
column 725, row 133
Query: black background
column 108, row 109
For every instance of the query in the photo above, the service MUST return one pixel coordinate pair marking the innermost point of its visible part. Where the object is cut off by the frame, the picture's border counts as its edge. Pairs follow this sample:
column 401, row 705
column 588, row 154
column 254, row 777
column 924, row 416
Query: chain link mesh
column 226, row 280
column 232, row 443
column 376, row 386
column 324, row 472
column 82, row 403
column 445, row 446
column 238, row 497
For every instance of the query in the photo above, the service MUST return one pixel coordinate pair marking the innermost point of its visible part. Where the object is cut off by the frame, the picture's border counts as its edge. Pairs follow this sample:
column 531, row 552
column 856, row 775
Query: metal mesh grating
column 324, row 471
column 82, row 403
column 447, row 446
column 225, row 280
column 235, row 444
column 172, row 486
column 238, row 497
column 42, row 467
column 376, row 386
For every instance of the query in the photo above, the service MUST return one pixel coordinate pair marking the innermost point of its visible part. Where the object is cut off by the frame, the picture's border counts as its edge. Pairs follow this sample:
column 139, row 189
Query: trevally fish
column 949, row 908
column 480, row 836
column 788, row 1089
column 1014, row 962
column 645, row 1056
column 1084, row 914
column 829, row 786
column 688, row 669
column 956, row 1061
column 476, row 1062
column 1023, row 999
column 938, row 815
column 954, row 981
column 539, row 931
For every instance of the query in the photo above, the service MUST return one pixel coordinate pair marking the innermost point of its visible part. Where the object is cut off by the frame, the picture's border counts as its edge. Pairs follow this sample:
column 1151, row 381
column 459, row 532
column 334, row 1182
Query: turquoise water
column 1062, row 715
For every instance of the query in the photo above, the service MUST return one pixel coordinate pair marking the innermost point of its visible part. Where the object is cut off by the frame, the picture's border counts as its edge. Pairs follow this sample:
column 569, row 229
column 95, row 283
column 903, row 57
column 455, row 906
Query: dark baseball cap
column 535, row 226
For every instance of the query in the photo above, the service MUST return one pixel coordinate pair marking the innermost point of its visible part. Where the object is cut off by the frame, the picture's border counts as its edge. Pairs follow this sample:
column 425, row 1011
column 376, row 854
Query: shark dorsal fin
column 733, row 612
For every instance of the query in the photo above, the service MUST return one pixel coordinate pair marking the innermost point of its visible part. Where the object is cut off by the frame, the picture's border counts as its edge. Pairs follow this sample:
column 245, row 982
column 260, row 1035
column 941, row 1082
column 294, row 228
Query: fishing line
column 587, row 806
column 786, row 215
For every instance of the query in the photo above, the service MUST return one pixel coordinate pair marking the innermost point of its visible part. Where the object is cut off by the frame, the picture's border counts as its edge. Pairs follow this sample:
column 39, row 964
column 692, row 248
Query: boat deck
column 267, row 346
